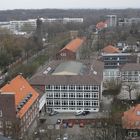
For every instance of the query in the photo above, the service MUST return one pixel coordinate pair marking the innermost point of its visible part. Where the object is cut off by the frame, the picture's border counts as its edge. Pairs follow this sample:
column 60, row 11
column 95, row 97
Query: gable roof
column 21, row 88
column 101, row 25
column 110, row 49
column 74, row 45
column 131, row 118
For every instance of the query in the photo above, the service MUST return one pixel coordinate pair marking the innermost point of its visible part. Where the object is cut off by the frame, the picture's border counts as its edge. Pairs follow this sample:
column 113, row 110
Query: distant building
column 130, row 72
column 18, row 107
column 101, row 25
column 131, row 123
column 23, row 25
column 71, row 51
column 111, row 20
column 115, row 60
column 73, row 20
column 71, row 85
column 128, row 21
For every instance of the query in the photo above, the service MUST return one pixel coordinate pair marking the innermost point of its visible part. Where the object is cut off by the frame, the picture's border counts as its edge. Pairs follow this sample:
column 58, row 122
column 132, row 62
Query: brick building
column 71, row 51
column 131, row 123
column 18, row 107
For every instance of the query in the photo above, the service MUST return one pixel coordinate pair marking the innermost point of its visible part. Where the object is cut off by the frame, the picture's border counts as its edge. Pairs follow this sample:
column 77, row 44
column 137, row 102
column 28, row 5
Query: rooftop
column 22, row 89
column 110, row 49
column 130, row 67
column 74, row 45
column 69, row 68
column 131, row 118
column 101, row 25
column 71, row 72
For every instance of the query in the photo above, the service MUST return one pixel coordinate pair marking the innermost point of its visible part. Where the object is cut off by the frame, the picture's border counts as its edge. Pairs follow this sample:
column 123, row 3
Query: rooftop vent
column 23, row 102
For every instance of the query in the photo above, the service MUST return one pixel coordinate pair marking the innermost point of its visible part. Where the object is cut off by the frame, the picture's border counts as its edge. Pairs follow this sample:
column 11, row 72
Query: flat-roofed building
column 18, row 107
column 130, row 72
column 72, row 85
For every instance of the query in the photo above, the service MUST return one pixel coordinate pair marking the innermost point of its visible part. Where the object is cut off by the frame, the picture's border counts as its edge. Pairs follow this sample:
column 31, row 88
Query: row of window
column 130, row 78
column 130, row 73
column 132, row 134
column 72, row 103
column 72, row 108
column 94, row 95
column 8, row 124
column 71, row 87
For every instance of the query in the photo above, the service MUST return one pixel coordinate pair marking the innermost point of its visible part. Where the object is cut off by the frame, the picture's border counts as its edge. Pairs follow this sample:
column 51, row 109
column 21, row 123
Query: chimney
column 21, row 75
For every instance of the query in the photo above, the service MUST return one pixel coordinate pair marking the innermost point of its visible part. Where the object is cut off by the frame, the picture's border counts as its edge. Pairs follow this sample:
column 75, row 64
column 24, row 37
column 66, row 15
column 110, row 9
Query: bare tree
column 129, row 87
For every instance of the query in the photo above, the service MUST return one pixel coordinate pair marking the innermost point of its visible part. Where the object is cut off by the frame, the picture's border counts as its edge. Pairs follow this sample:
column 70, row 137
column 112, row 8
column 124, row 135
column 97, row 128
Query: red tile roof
column 101, row 25
column 21, row 88
column 131, row 118
column 110, row 49
column 74, row 45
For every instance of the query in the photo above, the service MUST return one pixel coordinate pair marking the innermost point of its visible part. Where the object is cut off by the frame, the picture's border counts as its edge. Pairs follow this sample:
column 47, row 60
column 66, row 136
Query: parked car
column 78, row 113
column 53, row 113
column 65, row 137
column 81, row 124
column 86, row 112
column 59, row 121
column 70, row 124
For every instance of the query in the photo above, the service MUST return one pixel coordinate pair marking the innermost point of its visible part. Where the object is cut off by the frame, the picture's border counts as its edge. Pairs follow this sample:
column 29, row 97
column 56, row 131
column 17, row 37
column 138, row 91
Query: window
column 71, row 95
column 79, row 87
column 95, row 103
column 64, row 95
column 87, row 103
column 50, row 102
column 1, row 124
column 79, row 95
column 48, row 87
column 80, row 103
column 71, row 103
column 56, row 87
column 0, row 113
column 8, row 124
column 71, row 87
column 56, row 95
column 56, row 102
column 63, row 87
column 50, row 95
column 132, row 134
column 95, row 88
column 87, row 95
column 64, row 103
column 63, row 54
column 95, row 95
column 86, row 87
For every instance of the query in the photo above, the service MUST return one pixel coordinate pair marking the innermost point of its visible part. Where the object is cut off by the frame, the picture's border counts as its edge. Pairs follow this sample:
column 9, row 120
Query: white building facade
column 71, row 98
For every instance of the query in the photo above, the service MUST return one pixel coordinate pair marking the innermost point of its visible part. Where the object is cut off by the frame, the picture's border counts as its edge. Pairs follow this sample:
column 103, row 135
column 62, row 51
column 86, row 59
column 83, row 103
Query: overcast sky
column 65, row 4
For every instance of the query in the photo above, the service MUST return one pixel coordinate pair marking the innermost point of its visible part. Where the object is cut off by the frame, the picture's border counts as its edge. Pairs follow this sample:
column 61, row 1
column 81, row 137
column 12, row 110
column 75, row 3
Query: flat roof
column 92, row 73
column 69, row 68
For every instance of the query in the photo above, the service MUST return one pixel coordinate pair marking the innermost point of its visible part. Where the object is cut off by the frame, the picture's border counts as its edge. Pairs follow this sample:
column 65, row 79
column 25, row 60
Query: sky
column 67, row 4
